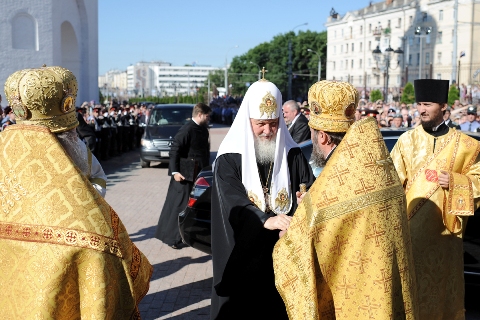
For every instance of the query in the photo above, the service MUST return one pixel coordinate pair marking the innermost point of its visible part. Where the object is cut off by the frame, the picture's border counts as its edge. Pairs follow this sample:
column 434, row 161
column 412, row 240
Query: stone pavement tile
column 167, row 306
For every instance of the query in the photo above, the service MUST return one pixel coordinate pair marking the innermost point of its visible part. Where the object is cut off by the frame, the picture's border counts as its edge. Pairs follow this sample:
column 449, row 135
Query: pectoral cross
column 263, row 73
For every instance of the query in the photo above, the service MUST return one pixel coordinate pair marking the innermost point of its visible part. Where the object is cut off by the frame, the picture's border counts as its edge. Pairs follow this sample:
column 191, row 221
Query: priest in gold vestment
column 438, row 167
column 64, row 253
column 346, row 253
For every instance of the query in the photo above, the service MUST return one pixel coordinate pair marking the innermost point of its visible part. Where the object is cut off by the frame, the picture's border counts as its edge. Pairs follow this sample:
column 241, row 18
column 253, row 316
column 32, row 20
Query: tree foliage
column 408, row 94
column 273, row 56
column 453, row 94
column 376, row 95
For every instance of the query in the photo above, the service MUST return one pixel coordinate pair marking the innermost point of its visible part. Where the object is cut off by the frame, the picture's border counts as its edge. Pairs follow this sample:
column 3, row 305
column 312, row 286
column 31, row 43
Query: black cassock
column 191, row 141
column 243, row 277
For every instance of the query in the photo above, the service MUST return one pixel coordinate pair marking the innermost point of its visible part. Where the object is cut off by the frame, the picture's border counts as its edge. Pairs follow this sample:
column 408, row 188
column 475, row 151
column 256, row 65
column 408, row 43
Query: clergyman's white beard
column 265, row 150
column 71, row 143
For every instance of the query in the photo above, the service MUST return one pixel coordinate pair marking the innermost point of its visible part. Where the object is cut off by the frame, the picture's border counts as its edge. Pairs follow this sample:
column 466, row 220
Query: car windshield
column 170, row 116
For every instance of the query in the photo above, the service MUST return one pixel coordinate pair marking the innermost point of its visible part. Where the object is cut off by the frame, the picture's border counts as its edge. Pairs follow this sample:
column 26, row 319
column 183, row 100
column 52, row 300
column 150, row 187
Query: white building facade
column 423, row 30
column 162, row 79
column 52, row 32
column 113, row 84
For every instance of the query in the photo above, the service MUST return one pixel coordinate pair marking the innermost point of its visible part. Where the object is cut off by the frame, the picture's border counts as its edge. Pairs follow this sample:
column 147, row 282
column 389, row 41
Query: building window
column 360, row 79
column 351, row 32
column 24, row 32
column 368, row 79
column 342, row 32
column 334, row 49
column 440, row 15
column 346, row 64
column 410, row 20
column 427, row 58
column 341, row 65
column 370, row 28
column 418, row 59
column 388, row 23
column 386, row 41
column 341, row 48
column 409, row 59
column 369, row 45
column 410, row 40
column 399, row 25
column 352, row 64
column 439, row 36
column 378, row 80
column 439, row 57
column 399, row 80
column 333, row 65
column 361, row 46
column 453, row 32
column 353, row 48
column 346, row 48
column 361, row 29
column 439, row 76
column 360, row 63
column 335, row 34
column 369, row 62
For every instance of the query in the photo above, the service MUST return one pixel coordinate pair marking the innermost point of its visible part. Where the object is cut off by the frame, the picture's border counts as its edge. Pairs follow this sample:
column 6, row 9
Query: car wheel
column 144, row 164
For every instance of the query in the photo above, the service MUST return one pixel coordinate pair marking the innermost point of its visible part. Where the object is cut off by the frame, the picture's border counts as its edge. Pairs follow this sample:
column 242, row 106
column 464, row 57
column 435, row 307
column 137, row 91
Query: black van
column 163, row 124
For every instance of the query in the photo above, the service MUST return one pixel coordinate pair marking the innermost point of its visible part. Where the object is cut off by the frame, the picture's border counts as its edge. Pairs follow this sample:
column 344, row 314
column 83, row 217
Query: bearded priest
column 439, row 169
column 64, row 252
column 257, row 172
column 346, row 254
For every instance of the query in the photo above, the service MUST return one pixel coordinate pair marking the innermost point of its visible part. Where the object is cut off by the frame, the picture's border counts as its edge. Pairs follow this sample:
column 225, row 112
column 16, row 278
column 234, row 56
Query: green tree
column 376, row 95
column 408, row 94
column 273, row 56
column 453, row 94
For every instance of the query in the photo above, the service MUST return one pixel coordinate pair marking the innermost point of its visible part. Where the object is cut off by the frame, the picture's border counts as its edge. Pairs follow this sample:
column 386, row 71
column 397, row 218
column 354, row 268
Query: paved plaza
column 181, row 283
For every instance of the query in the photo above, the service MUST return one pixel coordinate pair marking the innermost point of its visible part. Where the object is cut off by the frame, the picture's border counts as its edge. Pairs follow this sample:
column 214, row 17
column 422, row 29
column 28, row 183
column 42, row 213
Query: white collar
column 436, row 128
column 295, row 119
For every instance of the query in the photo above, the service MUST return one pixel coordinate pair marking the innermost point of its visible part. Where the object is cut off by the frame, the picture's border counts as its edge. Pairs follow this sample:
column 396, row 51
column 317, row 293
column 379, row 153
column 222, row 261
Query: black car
column 194, row 221
column 163, row 124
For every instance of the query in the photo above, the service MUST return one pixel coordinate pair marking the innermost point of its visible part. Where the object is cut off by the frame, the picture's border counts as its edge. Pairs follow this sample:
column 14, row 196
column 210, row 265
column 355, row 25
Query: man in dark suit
column 191, row 142
column 296, row 122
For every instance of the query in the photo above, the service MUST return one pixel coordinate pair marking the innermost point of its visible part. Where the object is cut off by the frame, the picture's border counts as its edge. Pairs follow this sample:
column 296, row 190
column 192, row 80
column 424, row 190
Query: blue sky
column 183, row 32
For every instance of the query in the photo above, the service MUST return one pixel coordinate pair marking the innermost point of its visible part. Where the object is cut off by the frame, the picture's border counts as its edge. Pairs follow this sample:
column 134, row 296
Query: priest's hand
column 280, row 222
column 178, row 177
column 300, row 196
column 443, row 179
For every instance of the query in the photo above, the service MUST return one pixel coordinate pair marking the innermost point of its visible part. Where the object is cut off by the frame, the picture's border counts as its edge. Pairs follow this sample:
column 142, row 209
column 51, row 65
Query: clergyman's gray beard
column 317, row 156
column 70, row 142
column 265, row 150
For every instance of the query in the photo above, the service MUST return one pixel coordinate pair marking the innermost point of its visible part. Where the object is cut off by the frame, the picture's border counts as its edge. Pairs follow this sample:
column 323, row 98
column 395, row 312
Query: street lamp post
column 226, row 70
column 385, row 64
column 289, row 93
column 259, row 69
column 319, row 63
column 418, row 34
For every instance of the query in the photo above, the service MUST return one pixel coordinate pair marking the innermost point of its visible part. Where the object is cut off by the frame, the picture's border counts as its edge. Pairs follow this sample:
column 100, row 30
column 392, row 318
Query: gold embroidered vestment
column 64, row 253
column 437, row 216
column 346, row 254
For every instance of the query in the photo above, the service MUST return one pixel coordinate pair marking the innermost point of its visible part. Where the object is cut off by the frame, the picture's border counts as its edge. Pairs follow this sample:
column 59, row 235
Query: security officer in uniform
column 471, row 124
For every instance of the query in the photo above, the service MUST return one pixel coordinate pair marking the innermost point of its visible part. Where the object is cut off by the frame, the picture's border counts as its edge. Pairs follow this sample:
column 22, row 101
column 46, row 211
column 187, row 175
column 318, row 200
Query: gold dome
column 332, row 106
column 44, row 96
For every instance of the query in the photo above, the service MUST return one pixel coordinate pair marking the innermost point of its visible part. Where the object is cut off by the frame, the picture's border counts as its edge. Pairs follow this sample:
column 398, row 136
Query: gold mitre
column 263, row 100
column 44, row 96
column 332, row 106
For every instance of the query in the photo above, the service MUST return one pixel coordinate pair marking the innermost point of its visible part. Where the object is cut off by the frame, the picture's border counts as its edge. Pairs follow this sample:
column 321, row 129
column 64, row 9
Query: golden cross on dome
column 263, row 73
